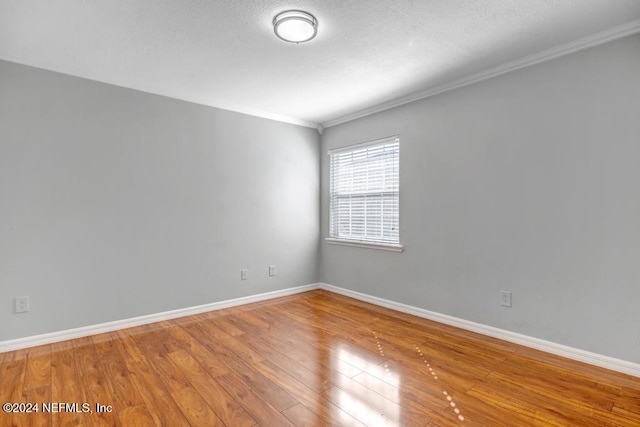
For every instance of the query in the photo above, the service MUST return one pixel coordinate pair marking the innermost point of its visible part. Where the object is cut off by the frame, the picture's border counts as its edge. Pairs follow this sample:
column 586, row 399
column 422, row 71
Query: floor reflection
column 362, row 402
column 433, row 373
column 380, row 372
column 370, row 391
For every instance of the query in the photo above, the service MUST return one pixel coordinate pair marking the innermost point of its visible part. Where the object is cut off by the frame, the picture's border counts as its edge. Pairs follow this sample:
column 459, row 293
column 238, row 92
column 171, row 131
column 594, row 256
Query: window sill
column 368, row 245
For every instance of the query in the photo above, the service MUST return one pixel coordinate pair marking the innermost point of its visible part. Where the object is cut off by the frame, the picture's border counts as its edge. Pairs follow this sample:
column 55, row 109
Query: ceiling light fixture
column 295, row 26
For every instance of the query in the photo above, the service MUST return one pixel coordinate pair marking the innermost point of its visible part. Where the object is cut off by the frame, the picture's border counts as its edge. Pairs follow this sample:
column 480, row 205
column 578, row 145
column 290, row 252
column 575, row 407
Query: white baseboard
column 539, row 344
column 84, row 331
column 527, row 341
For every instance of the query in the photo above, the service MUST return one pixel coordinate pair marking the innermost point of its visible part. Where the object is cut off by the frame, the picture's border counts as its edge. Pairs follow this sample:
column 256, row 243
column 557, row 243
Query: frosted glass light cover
column 295, row 26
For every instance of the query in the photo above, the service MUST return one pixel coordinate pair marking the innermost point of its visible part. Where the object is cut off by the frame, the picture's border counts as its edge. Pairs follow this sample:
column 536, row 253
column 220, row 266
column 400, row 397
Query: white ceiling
column 223, row 53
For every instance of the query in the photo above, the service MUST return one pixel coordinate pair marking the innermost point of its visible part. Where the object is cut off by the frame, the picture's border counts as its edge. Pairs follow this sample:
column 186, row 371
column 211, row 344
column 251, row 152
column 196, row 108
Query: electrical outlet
column 244, row 274
column 272, row 270
column 505, row 298
column 22, row 304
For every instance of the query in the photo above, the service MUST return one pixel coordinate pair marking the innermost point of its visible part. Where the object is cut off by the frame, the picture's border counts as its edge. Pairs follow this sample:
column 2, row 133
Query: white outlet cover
column 505, row 298
column 22, row 304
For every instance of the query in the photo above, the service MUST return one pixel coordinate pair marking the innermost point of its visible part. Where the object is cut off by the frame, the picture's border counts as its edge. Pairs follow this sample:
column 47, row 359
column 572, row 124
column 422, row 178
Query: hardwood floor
column 311, row 359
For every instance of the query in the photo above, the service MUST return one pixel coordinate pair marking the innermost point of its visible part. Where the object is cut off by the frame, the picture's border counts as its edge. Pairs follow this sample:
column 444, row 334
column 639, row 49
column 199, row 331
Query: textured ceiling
column 223, row 53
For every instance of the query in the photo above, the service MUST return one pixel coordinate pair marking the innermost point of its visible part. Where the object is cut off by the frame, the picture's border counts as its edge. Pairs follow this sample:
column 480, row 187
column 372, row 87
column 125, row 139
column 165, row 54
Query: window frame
column 365, row 243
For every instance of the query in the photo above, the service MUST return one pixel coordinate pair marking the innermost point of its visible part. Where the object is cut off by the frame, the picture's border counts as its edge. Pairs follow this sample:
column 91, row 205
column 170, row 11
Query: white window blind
column 364, row 195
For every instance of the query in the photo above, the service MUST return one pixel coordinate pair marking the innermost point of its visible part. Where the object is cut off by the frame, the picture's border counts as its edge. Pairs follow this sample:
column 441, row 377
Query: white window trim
column 392, row 247
column 362, row 145
column 362, row 244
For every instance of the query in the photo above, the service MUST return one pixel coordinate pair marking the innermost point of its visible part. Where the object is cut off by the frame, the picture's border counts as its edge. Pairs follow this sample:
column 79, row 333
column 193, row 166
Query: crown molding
column 268, row 116
column 593, row 40
column 200, row 101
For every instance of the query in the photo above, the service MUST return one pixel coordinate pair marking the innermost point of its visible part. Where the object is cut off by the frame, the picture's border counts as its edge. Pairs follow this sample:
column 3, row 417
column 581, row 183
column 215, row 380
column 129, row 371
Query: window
column 364, row 194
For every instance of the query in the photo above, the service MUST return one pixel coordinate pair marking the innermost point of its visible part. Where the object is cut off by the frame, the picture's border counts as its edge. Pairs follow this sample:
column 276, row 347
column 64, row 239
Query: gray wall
column 528, row 182
column 116, row 203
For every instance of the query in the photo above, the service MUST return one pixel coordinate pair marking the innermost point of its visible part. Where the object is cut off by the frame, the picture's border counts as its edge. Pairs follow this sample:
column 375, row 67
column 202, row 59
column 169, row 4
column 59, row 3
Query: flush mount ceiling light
column 295, row 26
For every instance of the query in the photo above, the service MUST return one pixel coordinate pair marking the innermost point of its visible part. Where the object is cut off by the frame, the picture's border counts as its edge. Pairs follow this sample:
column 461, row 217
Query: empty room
column 320, row 213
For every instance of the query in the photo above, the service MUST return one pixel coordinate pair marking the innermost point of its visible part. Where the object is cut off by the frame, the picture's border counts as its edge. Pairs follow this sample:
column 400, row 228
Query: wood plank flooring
column 312, row 359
